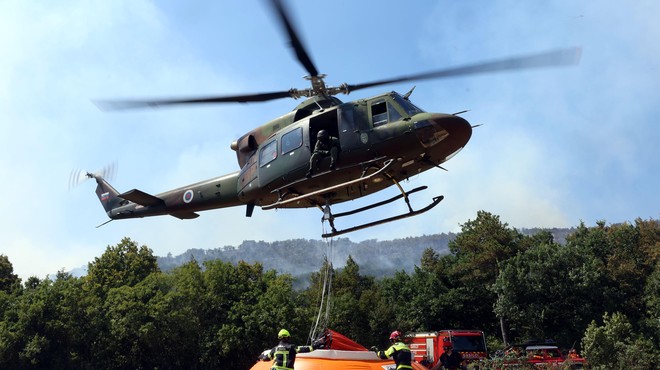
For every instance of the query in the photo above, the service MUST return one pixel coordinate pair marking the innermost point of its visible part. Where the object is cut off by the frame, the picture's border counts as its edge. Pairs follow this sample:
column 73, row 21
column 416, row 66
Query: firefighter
column 325, row 146
column 451, row 360
column 284, row 353
column 398, row 351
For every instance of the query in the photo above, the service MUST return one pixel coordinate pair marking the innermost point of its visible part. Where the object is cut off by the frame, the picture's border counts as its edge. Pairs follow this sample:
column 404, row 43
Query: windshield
column 407, row 105
column 472, row 343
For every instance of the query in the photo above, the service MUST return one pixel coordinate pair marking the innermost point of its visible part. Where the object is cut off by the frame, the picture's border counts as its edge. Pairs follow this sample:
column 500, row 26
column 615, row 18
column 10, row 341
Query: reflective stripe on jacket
column 400, row 353
column 284, row 355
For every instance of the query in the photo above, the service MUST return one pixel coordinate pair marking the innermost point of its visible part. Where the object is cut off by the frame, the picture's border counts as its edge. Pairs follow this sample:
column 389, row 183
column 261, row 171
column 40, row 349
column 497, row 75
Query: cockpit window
column 393, row 113
column 407, row 105
column 383, row 112
column 268, row 153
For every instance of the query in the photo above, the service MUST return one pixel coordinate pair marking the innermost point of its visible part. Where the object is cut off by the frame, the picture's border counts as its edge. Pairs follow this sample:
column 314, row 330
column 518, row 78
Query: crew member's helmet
column 447, row 346
column 395, row 336
column 283, row 334
column 323, row 134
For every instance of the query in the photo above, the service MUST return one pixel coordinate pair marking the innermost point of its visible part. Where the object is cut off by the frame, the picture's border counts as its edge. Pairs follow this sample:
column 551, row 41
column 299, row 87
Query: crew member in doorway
column 326, row 145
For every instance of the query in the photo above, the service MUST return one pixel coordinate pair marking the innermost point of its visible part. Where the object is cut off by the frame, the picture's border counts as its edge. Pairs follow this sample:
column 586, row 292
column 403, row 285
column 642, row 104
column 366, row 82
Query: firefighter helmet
column 396, row 335
column 322, row 134
column 283, row 334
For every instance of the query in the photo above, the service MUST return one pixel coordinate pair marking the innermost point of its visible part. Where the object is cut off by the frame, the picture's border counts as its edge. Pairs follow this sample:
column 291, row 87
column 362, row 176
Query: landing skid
column 328, row 216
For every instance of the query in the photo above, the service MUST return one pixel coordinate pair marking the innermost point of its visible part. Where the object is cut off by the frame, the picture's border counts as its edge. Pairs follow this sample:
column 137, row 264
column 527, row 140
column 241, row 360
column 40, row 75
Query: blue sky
column 557, row 146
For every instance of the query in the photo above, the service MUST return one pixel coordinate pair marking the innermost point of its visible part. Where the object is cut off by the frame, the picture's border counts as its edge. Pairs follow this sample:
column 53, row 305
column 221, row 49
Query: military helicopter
column 383, row 140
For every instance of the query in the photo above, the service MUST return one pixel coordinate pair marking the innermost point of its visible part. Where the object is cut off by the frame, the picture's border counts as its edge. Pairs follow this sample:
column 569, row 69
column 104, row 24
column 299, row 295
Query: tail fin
column 108, row 196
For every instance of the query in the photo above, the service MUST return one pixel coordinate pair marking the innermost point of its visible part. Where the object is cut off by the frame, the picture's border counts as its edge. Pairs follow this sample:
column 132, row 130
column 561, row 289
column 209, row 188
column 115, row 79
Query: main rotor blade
column 562, row 57
column 107, row 105
column 297, row 45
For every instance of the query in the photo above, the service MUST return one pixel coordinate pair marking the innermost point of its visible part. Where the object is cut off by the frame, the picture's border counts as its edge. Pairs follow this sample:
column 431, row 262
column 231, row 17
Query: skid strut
column 328, row 216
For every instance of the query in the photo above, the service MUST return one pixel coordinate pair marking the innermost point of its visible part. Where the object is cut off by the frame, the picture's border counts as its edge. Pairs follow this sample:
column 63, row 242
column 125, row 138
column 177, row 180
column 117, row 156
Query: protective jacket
column 400, row 353
column 452, row 361
column 284, row 355
column 324, row 146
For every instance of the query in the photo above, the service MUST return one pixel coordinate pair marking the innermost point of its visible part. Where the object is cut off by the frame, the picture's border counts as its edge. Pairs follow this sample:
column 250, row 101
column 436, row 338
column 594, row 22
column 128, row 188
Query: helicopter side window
column 394, row 114
column 268, row 153
column 292, row 140
column 379, row 113
column 383, row 112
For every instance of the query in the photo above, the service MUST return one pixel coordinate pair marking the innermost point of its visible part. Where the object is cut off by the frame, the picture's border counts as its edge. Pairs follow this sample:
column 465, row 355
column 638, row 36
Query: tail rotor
column 78, row 176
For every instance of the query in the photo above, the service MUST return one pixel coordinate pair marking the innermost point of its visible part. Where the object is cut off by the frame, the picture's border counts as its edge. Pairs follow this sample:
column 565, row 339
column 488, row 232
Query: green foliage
column 478, row 255
column 652, row 303
column 616, row 346
column 482, row 245
column 122, row 264
column 545, row 292
column 624, row 260
column 351, row 306
column 9, row 281
column 46, row 326
column 126, row 313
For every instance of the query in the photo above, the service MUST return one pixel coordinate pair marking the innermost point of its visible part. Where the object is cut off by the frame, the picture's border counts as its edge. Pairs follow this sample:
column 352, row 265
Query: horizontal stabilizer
column 142, row 198
column 184, row 215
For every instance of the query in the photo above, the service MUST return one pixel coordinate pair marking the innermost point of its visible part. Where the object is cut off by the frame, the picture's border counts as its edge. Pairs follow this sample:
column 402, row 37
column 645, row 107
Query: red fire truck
column 470, row 343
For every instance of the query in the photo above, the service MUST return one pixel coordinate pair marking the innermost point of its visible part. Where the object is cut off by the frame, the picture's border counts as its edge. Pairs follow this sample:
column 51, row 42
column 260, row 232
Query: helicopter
column 383, row 140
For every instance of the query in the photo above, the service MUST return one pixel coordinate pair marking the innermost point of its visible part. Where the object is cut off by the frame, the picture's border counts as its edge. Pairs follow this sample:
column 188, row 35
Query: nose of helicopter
column 450, row 130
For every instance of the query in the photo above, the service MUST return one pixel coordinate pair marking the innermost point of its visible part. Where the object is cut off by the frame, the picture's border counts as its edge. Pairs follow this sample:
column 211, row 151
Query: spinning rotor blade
column 297, row 45
column 107, row 105
column 77, row 176
column 563, row 57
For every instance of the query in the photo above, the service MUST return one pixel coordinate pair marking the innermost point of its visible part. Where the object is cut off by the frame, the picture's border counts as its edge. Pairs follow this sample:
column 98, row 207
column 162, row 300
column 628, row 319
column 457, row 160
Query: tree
column 626, row 257
column 425, row 309
column 123, row 264
column 351, row 305
column 483, row 244
column 397, row 295
column 153, row 325
column 478, row 253
column 47, row 326
column 652, row 302
column 247, row 308
column 616, row 346
column 545, row 292
column 9, row 281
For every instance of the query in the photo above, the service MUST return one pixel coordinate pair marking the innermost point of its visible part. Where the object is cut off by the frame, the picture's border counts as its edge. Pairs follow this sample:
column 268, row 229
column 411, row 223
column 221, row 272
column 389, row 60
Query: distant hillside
column 300, row 257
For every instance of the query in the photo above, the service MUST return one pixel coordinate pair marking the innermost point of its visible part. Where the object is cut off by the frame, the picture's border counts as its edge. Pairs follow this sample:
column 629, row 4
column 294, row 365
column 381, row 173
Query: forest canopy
column 598, row 291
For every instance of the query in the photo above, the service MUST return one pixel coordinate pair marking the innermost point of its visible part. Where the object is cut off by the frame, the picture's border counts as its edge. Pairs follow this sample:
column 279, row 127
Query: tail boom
column 182, row 203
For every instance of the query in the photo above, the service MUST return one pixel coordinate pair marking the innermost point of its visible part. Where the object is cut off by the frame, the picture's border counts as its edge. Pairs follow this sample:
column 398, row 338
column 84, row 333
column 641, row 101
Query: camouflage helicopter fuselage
column 275, row 156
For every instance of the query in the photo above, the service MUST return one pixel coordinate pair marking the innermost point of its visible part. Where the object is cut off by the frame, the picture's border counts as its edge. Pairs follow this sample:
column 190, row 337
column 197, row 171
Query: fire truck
column 471, row 344
column 541, row 354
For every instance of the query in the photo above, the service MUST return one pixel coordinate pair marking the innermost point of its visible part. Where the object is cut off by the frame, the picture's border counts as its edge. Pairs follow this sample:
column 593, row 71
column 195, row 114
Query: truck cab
column 471, row 344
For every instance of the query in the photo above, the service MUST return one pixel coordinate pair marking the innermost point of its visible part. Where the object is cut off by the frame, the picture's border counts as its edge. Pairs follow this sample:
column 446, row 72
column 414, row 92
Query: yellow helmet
column 283, row 334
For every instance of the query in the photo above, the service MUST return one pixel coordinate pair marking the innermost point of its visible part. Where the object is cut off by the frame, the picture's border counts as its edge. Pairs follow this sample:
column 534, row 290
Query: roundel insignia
column 188, row 196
